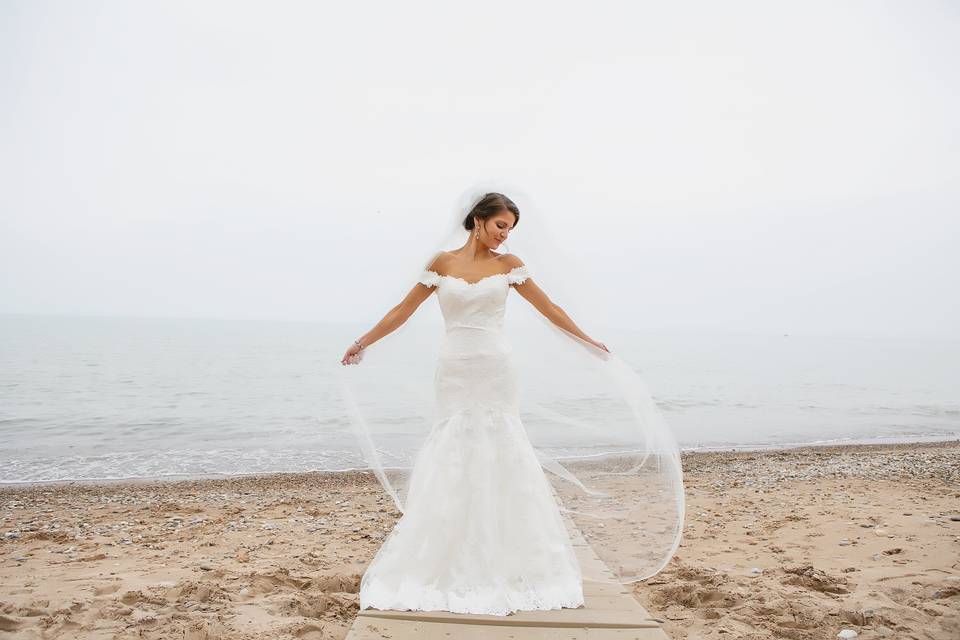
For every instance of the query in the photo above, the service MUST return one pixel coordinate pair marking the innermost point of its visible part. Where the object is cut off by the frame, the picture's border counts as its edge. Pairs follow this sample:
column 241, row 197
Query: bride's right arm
column 390, row 322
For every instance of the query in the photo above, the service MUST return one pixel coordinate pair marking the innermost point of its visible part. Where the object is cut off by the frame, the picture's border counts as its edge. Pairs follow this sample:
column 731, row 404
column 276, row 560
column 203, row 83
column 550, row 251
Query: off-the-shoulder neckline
column 467, row 282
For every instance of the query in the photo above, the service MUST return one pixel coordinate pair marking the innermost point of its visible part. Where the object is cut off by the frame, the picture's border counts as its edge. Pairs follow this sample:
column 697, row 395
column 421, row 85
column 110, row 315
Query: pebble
column 881, row 462
column 847, row 633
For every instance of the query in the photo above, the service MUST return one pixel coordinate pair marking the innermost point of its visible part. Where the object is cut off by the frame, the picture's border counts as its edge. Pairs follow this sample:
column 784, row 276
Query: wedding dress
column 492, row 432
column 482, row 531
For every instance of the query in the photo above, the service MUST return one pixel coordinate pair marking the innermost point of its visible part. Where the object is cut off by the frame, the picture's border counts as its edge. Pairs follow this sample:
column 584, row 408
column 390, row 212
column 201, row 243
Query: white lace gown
column 481, row 530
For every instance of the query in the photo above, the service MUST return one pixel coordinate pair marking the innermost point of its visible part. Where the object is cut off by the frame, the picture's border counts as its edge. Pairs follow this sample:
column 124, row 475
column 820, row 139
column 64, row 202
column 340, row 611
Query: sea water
column 84, row 398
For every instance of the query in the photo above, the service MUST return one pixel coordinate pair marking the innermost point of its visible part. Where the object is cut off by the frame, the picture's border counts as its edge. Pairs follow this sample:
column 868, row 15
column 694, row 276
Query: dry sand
column 795, row 543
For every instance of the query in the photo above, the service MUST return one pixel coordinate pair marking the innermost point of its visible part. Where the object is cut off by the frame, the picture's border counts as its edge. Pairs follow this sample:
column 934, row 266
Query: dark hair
column 489, row 205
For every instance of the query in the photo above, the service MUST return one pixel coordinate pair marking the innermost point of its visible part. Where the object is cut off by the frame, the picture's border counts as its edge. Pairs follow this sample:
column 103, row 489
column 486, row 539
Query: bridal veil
column 606, row 449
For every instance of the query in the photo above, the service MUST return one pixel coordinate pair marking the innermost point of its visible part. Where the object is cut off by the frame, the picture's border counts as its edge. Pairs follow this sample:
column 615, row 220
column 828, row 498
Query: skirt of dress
column 481, row 532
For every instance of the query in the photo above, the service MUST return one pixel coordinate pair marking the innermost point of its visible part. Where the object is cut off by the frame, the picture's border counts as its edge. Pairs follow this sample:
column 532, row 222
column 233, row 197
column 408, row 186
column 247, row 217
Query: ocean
column 95, row 398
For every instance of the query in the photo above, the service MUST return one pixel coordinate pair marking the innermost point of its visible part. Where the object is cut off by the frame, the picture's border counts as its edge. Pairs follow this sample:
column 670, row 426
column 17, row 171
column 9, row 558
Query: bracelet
column 357, row 342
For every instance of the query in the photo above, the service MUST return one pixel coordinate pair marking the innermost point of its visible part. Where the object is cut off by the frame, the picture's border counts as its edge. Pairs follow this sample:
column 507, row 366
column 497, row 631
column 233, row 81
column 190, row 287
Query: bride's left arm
column 551, row 311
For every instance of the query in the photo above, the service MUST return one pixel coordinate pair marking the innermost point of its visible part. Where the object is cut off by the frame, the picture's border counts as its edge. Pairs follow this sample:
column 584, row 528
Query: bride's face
column 495, row 229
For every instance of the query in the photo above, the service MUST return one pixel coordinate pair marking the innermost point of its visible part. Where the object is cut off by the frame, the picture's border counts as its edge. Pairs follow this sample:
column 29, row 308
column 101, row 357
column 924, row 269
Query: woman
column 482, row 529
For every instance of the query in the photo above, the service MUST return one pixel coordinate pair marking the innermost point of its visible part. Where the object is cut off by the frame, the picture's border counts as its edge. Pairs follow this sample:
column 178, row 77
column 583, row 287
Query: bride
column 464, row 545
column 483, row 528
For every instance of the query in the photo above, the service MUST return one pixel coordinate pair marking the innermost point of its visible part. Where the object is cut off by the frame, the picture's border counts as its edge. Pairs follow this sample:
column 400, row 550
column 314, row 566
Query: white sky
column 740, row 165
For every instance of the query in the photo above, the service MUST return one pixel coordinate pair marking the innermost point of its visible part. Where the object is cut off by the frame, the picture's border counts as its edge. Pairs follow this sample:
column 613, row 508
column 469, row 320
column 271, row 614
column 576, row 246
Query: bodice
column 473, row 311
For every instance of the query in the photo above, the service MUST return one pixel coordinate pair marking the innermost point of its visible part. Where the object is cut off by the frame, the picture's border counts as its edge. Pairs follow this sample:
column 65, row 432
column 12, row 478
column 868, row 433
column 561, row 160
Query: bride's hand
column 353, row 355
column 600, row 345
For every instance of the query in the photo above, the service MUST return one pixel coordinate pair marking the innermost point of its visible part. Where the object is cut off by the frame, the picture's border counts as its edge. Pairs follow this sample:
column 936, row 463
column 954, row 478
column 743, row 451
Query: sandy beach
column 793, row 543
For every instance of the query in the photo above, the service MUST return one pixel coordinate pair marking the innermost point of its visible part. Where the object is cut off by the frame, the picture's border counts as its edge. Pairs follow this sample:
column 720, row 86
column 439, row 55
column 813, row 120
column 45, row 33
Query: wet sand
column 791, row 543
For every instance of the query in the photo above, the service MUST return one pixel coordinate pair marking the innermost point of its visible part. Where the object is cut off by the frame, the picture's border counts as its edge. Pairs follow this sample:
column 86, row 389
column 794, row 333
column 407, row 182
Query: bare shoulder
column 511, row 260
column 440, row 262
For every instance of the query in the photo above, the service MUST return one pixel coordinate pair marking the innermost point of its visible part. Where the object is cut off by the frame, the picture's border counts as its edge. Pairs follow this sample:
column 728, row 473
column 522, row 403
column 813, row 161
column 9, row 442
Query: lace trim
column 429, row 278
column 517, row 275
column 475, row 601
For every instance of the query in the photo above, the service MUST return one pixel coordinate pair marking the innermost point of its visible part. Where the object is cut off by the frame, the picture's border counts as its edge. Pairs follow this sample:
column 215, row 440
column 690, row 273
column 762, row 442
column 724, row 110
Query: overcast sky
column 738, row 165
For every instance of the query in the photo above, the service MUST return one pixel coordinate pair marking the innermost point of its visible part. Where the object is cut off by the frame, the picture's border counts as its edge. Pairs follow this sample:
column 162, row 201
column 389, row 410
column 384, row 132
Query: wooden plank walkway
column 610, row 613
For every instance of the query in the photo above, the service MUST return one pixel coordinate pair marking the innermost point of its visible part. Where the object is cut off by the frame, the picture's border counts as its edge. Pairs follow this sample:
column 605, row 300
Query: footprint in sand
column 107, row 589
column 8, row 624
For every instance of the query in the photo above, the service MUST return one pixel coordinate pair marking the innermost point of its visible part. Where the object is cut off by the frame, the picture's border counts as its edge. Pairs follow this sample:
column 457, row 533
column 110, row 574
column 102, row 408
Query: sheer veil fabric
column 607, row 452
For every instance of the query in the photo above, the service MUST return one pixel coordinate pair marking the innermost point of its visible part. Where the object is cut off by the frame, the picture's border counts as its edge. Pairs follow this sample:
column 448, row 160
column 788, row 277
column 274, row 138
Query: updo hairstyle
column 489, row 205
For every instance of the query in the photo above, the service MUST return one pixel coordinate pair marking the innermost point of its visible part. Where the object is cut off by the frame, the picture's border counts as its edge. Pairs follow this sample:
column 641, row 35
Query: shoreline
column 796, row 543
column 691, row 453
